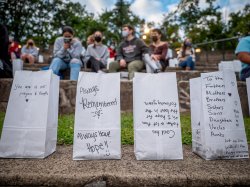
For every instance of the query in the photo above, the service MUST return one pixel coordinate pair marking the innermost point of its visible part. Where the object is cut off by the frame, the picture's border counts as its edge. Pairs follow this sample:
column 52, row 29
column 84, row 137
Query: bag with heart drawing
column 30, row 124
column 218, row 130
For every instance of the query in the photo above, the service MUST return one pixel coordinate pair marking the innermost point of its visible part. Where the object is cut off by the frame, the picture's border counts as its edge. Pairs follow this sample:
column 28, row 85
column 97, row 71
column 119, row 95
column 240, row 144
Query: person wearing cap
column 67, row 52
column 129, row 53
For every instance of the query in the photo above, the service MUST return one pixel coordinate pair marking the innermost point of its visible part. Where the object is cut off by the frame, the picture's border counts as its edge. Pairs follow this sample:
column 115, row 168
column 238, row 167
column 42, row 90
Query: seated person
column 186, row 55
column 67, row 52
column 243, row 53
column 129, row 53
column 156, row 62
column 97, row 54
column 112, row 52
column 13, row 49
column 90, row 39
column 5, row 65
column 29, row 52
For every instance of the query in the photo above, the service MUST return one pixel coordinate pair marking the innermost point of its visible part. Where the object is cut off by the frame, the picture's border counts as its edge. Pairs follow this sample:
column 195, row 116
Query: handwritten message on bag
column 97, row 117
column 217, row 120
column 156, row 117
column 30, row 125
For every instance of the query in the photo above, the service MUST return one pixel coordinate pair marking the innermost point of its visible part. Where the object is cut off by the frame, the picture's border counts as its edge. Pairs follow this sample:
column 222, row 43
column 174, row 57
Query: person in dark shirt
column 129, row 53
column 5, row 65
column 156, row 62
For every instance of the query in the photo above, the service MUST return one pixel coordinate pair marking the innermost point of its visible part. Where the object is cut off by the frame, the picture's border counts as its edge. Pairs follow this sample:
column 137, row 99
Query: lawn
column 66, row 128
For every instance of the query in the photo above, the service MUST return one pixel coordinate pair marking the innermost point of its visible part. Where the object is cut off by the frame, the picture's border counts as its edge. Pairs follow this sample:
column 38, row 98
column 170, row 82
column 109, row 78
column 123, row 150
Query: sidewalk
column 60, row 170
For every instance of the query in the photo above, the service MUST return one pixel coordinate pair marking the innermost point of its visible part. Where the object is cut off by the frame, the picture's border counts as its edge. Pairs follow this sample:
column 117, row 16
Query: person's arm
column 179, row 56
column 59, row 50
column 34, row 52
column 87, row 54
column 23, row 50
column 244, row 57
column 243, row 50
column 119, row 53
column 75, row 50
column 143, row 47
column 105, row 57
column 164, row 52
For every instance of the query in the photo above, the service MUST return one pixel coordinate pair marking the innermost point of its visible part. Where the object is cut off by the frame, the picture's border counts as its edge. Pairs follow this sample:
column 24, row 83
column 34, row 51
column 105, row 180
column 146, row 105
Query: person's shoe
column 157, row 71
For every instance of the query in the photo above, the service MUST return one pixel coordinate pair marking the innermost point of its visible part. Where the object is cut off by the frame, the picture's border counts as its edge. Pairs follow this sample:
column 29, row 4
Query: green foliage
column 43, row 20
column 202, row 25
column 239, row 23
column 116, row 18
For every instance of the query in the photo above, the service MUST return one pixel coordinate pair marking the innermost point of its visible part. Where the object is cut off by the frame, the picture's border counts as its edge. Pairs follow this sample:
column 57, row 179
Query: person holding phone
column 29, row 52
column 67, row 52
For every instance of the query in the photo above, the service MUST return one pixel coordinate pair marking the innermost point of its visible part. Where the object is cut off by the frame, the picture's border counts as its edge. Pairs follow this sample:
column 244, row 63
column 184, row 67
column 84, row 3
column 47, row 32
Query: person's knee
column 75, row 66
column 75, row 61
column 113, row 66
column 55, row 65
column 135, row 66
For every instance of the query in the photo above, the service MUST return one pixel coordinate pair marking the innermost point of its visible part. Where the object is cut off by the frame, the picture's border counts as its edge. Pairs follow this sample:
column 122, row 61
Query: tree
column 239, row 23
column 117, row 17
column 198, row 24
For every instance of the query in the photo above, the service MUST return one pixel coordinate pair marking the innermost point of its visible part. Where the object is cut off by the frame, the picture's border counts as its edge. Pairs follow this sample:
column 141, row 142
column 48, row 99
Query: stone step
column 68, row 93
column 60, row 170
column 36, row 65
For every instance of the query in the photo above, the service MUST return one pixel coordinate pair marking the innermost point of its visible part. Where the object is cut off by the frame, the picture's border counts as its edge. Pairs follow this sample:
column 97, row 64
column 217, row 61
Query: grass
column 66, row 128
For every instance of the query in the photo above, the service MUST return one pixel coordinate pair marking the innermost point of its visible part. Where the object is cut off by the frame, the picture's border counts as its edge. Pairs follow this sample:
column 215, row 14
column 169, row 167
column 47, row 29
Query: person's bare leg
column 24, row 57
column 188, row 68
column 31, row 59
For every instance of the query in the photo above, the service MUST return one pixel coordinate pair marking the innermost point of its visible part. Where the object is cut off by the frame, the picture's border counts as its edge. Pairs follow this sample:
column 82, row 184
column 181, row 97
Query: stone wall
column 68, row 94
column 214, row 57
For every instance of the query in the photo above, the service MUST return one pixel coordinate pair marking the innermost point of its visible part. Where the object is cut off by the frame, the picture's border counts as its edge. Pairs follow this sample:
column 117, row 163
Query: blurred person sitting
column 90, row 39
column 29, row 52
column 156, row 62
column 5, row 65
column 129, row 53
column 243, row 53
column 112, row 51
column 67, row 52
column 14, row 52
column 97, row 54
column 186, row 55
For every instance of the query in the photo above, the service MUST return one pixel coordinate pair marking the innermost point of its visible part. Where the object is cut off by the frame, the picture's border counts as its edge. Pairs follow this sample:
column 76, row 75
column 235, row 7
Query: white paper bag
column 173, row 62
column 17, row 65
column 237, row 65
column 97, row 131
column 217, row 122
column 248, row 92
column 226, row 65
column 30, row 124
column 40, row 59
column 157, row 130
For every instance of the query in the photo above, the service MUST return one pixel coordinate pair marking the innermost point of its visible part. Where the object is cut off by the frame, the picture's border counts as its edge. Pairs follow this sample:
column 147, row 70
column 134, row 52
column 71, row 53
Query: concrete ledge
column 60, row 170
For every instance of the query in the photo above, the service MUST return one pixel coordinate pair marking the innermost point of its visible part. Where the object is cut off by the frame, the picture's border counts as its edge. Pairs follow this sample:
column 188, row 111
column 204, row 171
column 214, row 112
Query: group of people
column 132, row 53
column 28, row 53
